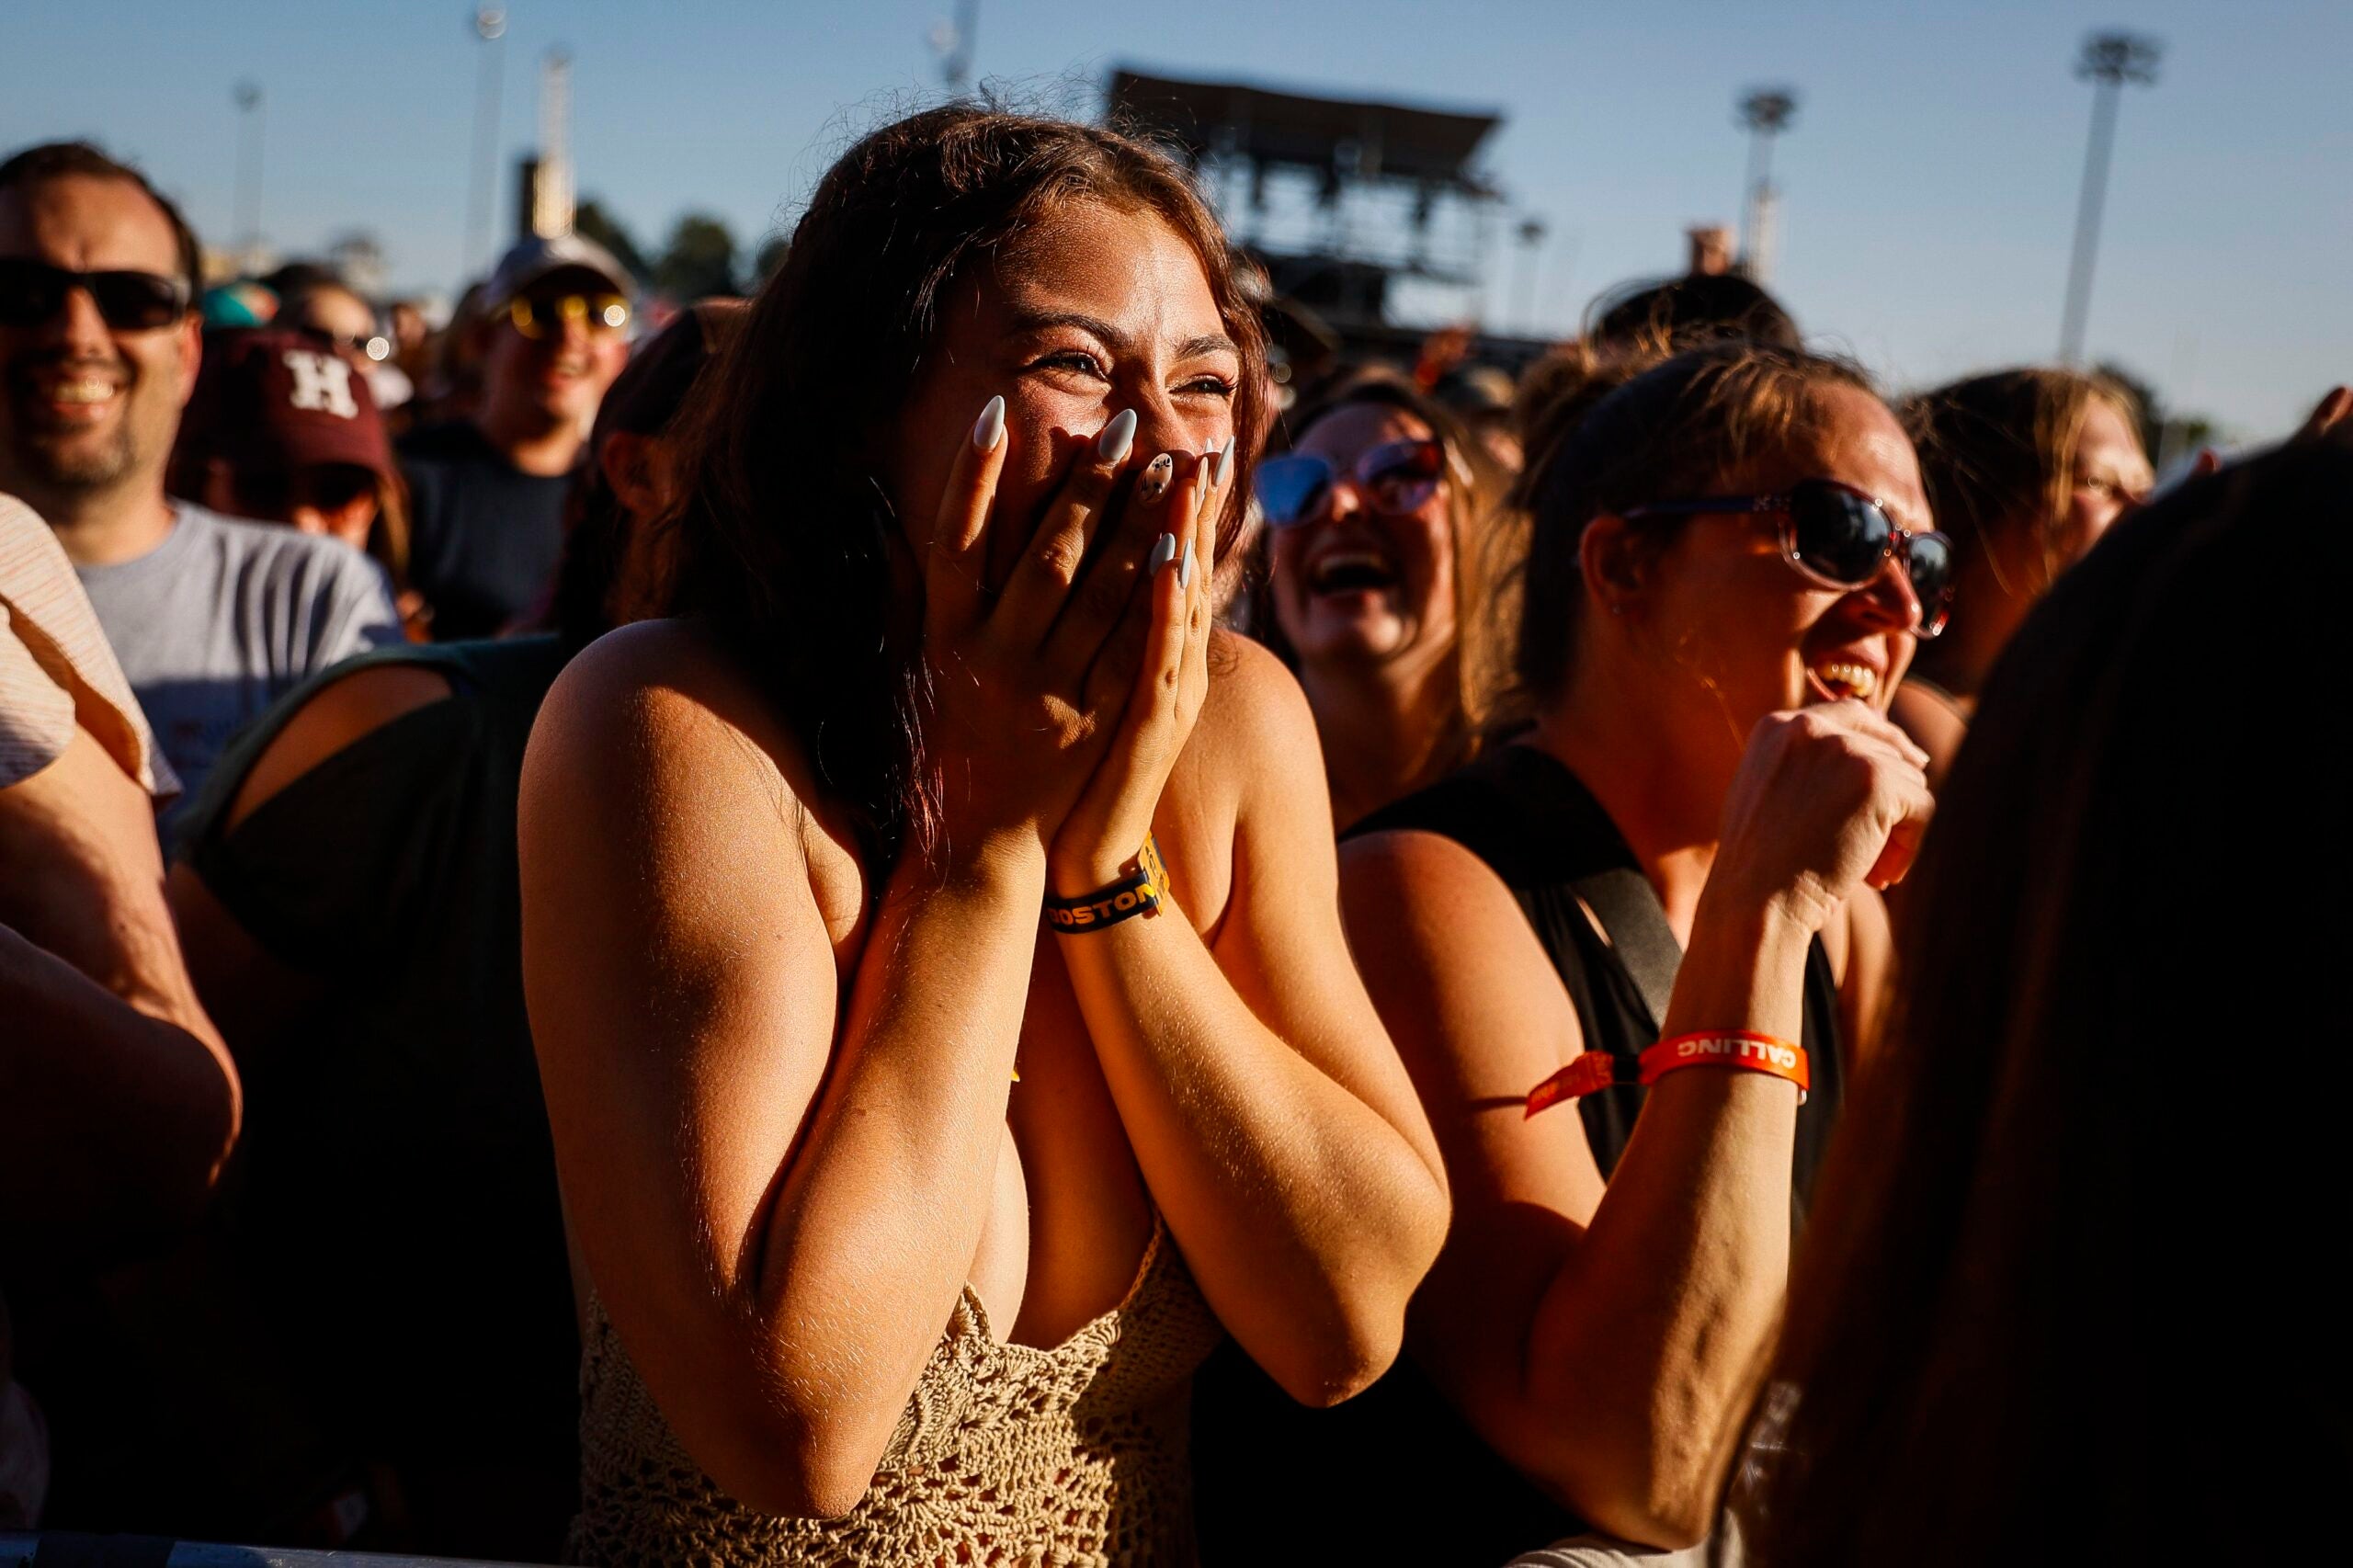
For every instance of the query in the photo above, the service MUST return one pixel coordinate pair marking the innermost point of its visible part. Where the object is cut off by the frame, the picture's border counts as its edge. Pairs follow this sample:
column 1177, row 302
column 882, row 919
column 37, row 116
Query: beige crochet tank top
column 1006, row 1454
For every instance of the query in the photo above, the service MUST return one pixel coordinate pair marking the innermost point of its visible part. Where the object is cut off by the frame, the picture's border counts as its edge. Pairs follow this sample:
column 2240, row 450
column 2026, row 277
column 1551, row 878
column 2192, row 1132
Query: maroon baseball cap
column 269, row 400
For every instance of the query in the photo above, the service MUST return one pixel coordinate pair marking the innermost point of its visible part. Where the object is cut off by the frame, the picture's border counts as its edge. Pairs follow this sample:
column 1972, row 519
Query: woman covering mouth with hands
column 930, row 935
column 1623, row 958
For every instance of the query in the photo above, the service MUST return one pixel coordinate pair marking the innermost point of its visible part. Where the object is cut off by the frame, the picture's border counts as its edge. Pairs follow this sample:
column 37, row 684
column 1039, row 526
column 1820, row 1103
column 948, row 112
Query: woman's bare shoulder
column 664, row 691
column 658, row 727
column 1254, row 703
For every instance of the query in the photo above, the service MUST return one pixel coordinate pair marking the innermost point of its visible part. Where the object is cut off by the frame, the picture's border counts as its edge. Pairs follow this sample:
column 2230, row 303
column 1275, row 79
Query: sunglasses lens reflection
column 536, row 316
column 1842, row 536
column 1402, row 475
column 1929, row 559
column 1290, row 489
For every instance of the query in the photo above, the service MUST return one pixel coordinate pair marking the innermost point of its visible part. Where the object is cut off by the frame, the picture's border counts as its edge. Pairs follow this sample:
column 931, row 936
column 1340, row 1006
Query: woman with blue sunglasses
column 1379, row 586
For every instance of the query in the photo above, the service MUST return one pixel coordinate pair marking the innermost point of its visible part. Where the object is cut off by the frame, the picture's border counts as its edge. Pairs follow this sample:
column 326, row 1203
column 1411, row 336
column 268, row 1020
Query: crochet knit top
column 1005, row 1454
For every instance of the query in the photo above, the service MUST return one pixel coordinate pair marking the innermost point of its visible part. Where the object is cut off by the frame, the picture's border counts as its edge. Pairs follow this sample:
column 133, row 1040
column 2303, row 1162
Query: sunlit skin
column 1998, row 585
column 1718, row 630
column 540, row 394
column 1699, row 712
column 1065, row 367
column 1411, row 609
column 87, row 414
column 870, row 1157
column 2112, row 476
column 1367, row 601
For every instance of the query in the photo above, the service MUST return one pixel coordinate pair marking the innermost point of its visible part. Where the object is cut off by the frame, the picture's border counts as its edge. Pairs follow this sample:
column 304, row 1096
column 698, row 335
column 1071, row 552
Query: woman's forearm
column 1645, row 1343
column 113, row 1122
column 1306, row 1217
column 890, row 1189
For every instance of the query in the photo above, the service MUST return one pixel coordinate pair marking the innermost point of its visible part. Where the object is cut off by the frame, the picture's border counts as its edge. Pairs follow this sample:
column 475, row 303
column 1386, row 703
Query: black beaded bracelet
column 1138, row 892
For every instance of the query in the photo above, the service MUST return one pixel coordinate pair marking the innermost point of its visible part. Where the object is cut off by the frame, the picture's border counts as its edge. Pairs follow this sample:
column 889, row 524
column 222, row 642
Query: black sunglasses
column 33, row 293
column 1837, row 536
column 1396, row 477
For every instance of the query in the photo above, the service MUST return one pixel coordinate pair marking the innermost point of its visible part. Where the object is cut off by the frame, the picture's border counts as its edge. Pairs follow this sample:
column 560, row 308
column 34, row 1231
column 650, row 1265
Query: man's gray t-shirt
column 225, row 616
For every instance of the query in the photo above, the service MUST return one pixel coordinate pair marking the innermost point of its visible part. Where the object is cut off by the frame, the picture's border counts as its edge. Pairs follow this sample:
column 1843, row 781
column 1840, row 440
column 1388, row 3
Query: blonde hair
column 1997, row 457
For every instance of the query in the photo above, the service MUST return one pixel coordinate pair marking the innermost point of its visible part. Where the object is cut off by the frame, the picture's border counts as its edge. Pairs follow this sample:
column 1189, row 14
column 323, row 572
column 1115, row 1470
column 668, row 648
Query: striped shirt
column 55, row 667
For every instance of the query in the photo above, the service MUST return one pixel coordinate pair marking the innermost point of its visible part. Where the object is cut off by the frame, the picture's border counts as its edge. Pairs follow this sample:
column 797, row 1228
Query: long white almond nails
column 1118, row 437
column 1164, row 550
column 1156, row 476
column 990, row 428
column 1225, row 461
column 1184, row 571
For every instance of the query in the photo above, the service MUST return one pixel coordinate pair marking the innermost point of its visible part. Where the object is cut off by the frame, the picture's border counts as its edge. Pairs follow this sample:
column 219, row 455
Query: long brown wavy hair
column 790, row 552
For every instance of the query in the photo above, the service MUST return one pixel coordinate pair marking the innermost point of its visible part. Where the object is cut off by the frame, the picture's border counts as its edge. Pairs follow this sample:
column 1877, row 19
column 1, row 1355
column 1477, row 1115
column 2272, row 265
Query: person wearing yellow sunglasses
column 552, row 331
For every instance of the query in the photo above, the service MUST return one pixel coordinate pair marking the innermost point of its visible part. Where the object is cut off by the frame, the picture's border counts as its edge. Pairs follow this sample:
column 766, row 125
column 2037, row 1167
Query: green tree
column 771, row 257
column 2166, row 432
column 591, row 222
column 700, row 260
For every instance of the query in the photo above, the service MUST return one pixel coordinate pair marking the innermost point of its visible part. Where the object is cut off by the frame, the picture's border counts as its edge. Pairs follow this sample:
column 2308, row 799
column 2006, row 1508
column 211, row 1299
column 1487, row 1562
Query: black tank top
column 1396, row 1474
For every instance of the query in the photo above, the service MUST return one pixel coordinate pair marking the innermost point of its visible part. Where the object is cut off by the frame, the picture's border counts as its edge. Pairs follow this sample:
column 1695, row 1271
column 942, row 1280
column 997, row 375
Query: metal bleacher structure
column 1341, row 199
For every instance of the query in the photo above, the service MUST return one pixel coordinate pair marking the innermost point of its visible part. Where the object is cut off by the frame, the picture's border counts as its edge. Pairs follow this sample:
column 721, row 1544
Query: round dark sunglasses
column 1396, row 478
column 1839, row 537
column 33, row 294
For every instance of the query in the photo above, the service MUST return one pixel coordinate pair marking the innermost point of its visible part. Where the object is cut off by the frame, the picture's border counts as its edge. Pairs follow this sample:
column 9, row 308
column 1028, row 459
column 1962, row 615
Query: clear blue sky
column 1929, row 187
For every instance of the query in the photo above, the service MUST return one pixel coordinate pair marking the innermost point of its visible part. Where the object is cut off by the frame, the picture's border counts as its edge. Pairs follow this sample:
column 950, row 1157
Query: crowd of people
column 927, row 919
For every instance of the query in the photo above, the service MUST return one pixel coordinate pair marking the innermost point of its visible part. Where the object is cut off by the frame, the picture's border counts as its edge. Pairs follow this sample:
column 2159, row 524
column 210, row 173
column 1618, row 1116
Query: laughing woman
column 1672, row 868
column 1380, row 585
column 919, row 1127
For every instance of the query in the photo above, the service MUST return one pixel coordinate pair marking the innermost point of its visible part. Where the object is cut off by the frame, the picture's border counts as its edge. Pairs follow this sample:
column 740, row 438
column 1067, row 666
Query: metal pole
column 955, row 41
column 249, row 110
column 1765, row 112
column 490, row 26
column 1531, row 237
column 2109, row 60
column 2088, row 214
column 1760, row 171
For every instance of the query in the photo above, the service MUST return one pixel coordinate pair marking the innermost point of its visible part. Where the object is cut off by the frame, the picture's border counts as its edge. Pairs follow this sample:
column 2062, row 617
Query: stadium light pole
column 954, row 42
column 489, row 23
column 1765, row 113
column 2109, row 60
column 1530, row 233
column 247, row 96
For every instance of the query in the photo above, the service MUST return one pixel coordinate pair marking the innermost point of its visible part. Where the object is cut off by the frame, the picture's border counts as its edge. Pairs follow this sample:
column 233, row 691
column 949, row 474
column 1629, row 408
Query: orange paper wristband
column 1743, row 1049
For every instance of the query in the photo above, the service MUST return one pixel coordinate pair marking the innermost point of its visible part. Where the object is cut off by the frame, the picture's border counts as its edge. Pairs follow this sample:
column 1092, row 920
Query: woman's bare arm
column 778, row 1186
column 1273, row 1123
column 1602, row 1339
column 118, row 1102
